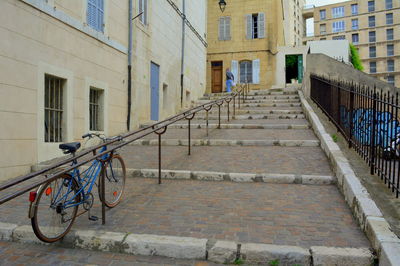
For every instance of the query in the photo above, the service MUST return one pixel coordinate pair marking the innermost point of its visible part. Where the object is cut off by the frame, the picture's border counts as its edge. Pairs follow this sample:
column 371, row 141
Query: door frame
column 212, row 75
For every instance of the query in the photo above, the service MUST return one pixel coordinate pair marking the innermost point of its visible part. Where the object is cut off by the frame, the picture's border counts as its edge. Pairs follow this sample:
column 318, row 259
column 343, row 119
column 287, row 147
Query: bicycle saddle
column 70, row 147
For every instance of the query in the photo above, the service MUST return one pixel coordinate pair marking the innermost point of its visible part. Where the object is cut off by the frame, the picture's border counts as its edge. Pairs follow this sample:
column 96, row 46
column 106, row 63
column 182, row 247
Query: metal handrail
column 137, row 134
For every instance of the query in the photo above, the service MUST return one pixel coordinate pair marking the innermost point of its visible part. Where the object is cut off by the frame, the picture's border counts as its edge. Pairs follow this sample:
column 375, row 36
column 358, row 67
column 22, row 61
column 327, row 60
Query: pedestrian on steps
column 229, row 80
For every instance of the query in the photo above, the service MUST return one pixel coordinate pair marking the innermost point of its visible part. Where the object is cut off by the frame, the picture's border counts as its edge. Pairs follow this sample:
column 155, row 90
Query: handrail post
column 234, row 106
column 103, row 193
column 372, row 151
column 159, row 133
column 189, row 119
column 207, row 122
column 239, row 98
column 219, row 116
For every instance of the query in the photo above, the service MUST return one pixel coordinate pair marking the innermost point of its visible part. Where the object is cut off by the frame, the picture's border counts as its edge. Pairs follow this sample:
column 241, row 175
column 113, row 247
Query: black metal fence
column 368, row 119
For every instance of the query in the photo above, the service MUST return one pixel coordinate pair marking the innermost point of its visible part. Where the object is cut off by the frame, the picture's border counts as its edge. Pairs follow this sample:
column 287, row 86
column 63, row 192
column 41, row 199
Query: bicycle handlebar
column 100, row 136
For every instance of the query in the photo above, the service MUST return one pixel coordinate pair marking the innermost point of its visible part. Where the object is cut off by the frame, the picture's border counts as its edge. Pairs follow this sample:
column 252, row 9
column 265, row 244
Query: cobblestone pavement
column 239, row 134
column 236, row 159
column 301, row 215
column 25, row 254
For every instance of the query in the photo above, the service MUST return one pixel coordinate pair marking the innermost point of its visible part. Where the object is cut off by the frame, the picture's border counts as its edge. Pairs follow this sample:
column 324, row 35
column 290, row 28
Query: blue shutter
column 95, row 14
column 100, row 14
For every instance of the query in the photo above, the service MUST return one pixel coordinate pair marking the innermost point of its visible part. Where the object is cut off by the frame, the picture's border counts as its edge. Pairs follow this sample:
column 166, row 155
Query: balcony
column 308, row 11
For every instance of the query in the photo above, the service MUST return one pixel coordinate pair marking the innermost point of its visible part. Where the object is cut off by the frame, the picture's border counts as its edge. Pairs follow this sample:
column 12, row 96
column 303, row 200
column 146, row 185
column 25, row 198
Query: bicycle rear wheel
column 115, row 176
column 55, row 209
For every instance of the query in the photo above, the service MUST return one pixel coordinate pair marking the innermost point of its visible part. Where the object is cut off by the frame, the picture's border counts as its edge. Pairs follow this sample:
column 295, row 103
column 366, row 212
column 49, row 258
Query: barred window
column 372, row 67
column 372, row 51
column 53, row 109
column 96, row 109
column 246, row 74
column 372, row 36
column 371, row 21
column 390, row 65
column 371, row 6
column 389, row 34
column 389, row 18
column 389, row 4
column 390, row 50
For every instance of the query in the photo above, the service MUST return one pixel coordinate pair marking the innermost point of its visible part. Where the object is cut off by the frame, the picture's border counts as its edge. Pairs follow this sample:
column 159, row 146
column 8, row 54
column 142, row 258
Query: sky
column 310, row 22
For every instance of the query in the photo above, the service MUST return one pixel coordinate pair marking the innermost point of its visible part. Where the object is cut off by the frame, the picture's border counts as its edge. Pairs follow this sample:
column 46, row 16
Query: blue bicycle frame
column 84, row 179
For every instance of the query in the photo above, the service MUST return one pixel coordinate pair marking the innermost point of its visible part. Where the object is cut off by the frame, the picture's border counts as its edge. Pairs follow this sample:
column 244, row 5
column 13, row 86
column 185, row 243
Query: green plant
column 238, row 262
column 274, row 263
column 335, row 138
column 355, row 58
column 291, row 60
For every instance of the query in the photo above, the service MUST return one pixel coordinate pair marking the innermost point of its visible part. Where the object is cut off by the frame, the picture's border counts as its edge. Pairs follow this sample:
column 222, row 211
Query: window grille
column 390, row 50
column 390, row 65
column 372, row 51
column 372, row 67
column 371, row 6
column 246, row 74
column 389, row 34
column 53, row 109
column 95, row 110
column 389, row 4
column 389, row 18
column 372, row 36
column 371, row 21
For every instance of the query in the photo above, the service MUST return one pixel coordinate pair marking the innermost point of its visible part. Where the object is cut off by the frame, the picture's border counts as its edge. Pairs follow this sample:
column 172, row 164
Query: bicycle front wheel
column 55, row 209
column 115, row 176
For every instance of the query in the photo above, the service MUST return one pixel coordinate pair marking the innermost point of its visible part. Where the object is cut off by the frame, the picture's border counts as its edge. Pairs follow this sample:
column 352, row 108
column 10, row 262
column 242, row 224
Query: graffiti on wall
column 387, row 129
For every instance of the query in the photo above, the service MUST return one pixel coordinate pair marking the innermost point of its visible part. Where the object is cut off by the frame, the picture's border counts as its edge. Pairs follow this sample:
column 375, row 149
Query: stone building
column 245, row 38
column 372, row 26
column 64, row 70
column 294, row 22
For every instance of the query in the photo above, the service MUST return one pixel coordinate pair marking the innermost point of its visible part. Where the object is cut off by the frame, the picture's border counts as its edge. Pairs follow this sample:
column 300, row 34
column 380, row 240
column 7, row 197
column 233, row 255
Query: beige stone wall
column 52, row 37
column 363, row 32
column 295, row 24
column 239, row 48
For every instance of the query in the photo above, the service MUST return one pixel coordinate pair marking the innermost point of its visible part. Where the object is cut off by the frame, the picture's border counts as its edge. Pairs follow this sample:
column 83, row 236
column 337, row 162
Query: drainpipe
column 128, row 122
column 183, row 50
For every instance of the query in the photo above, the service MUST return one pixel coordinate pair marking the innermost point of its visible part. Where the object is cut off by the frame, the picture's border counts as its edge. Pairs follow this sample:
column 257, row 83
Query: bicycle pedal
column 93, row 218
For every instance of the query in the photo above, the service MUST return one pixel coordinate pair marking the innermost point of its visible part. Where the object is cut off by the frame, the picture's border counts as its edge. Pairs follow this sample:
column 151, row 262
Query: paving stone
column 6, row 231
column 223, row 252
column 331, row 256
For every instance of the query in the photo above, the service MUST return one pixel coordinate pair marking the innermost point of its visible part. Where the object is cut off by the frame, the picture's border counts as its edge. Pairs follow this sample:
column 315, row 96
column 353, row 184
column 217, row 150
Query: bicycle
column 55, row 204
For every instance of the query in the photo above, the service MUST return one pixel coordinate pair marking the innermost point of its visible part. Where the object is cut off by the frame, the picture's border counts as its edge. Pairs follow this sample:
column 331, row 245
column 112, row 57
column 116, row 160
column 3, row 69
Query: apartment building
column 373, row 26
column 64, row 70
column 294, row 22
column 245, row 38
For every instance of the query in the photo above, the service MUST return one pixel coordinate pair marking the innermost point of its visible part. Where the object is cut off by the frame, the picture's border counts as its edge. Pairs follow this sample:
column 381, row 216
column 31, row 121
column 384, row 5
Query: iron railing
column 369, row 121
column 20, row 185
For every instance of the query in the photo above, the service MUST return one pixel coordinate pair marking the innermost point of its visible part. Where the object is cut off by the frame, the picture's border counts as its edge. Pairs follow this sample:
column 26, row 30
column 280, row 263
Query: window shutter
column 256, row 71
column 145, row 11
column 234, row 70
column 100, row 15
column 221, row 36
column 227, row 28
column 91, row 13
column 261, row 25
column 249, row 27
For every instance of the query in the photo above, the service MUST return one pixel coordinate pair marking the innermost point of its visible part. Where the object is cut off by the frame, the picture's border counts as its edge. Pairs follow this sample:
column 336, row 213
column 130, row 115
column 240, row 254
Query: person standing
column 229, row 80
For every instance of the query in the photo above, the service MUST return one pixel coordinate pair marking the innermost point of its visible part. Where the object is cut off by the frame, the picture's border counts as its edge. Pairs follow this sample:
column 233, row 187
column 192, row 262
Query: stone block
column 390, row 254
column 331, row 256
column 242, row 177
column 364, row 207
column 378, row 231
column 279, row 178
column 25, row 234
column 99, row 241
column 6, row 231
column 223, row 252
column 264, row 254
column 317, row 180
column 167, row 246
column 208, row 176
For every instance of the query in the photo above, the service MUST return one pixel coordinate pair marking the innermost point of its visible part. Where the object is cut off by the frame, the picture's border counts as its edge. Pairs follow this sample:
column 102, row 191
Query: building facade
column 294, row 21
column 64, row 70
column 372, row 26
column 244, row 38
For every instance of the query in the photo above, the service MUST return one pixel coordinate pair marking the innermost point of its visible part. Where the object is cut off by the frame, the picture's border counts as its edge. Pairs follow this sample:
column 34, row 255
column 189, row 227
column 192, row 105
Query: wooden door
column 216, row 77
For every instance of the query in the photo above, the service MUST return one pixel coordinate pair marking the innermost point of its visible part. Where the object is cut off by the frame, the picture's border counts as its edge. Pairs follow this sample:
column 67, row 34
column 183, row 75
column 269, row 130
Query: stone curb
column 357, row 197
column 248, row 117
column 234, row 177
column 190, row 248
column 326, row 256
column 225, row 142
column 242, row 126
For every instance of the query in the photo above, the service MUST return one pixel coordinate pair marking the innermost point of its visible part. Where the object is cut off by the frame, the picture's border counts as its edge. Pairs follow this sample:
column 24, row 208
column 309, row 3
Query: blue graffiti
column 387, row 128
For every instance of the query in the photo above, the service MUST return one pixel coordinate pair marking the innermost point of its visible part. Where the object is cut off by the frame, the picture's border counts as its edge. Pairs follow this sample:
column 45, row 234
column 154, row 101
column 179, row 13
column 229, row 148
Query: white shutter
column 249, row 27
column 227, row 28
column 235, row 70
column 256, row 71
column 221, row 35
column 261, row 25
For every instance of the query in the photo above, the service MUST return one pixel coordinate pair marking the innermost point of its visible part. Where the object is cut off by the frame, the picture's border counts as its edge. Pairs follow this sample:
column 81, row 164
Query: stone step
column 257, row 97
column 227, row 142
column 254, row 111
column 269, row 104
column 255, row 116
column 241, row 126
column 254, row 93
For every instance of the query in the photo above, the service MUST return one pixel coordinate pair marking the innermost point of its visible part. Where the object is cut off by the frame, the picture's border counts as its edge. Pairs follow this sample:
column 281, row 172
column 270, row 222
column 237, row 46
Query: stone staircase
column 259, row 189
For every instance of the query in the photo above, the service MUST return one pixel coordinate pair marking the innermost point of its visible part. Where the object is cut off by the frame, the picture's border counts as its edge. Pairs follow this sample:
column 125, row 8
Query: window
column 354, row 9
column 390, row 65
column 372, row 36
column 390, row 50
column 354, row 24
column 390, row 79
column 96, row 112
column 53, row 109
column 224, row 28
column 371, row 21
column 255, row 26
column 338, row 26
column 372, row 67
column 246, row 72
column 95, row 14
column 389, row 4
column 371, row 6
column 340, row 37
column 389, row 18
column 372, row 51
column 143, row 8
column 338, row 12
column 322, row 39
column 322, row 14
column 389, row 34
column 322, row 28
column 355, row 38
